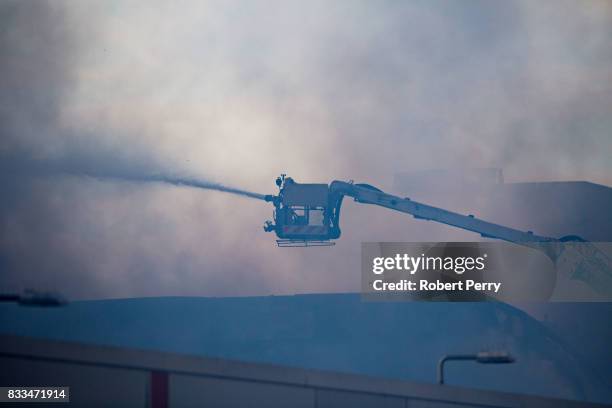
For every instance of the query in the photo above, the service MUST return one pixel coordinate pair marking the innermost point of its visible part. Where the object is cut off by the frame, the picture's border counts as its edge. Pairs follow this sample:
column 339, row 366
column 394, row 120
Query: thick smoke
column 238, row 93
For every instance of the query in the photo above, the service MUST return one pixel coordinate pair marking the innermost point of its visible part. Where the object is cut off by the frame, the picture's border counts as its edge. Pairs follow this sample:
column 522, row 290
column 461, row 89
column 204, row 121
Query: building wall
column 106, row 376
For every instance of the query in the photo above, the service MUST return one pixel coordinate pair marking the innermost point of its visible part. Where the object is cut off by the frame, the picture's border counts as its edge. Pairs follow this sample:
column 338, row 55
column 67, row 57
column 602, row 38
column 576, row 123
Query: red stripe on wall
column 159, row 389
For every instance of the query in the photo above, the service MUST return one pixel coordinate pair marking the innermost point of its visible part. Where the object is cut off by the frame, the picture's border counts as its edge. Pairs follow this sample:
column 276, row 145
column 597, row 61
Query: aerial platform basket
column 304, row 214
column 299, row 243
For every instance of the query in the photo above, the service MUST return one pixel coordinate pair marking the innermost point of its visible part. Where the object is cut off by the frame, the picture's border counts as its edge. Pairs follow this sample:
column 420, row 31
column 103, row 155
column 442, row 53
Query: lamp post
column 483, row 357
column 34, row 298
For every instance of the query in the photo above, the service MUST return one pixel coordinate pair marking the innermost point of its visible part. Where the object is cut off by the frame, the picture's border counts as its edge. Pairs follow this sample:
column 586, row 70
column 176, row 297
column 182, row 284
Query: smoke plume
column 238, row 93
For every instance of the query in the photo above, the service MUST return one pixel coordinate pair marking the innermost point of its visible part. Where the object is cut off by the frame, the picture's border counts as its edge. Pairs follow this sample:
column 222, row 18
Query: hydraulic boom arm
column 370, row 195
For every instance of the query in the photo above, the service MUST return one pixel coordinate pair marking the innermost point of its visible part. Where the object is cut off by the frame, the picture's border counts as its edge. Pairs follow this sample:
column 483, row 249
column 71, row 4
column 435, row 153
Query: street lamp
column 484, row 357
column 34, row 298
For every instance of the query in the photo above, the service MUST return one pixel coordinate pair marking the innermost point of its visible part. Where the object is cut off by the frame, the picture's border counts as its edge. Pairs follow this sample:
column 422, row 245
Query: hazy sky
column 239, row 91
